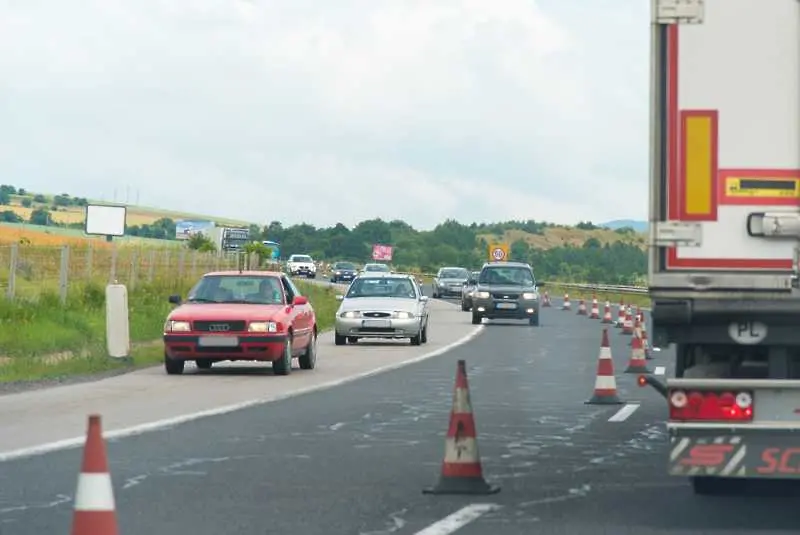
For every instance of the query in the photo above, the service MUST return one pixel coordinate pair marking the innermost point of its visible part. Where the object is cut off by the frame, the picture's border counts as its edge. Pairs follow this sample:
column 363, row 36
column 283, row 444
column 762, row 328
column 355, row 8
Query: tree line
column 449, row 243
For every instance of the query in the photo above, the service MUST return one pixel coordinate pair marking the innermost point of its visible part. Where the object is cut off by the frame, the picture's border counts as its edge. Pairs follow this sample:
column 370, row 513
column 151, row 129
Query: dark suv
column 506, row 290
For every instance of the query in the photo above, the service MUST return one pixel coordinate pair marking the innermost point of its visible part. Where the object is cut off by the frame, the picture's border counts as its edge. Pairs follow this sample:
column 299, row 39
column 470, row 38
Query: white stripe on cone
column 466, row 451
column 605, row 353
column 94, row 493
column 605, row 382
column 461, row 402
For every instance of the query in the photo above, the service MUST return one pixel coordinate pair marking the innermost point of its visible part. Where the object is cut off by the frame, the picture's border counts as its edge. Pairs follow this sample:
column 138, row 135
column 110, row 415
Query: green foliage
column 40, row 216
column 200, row 242
column 452, row 243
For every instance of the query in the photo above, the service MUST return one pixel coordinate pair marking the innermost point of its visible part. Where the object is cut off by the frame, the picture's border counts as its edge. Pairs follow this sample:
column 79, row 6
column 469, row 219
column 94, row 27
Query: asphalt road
column 353, row 459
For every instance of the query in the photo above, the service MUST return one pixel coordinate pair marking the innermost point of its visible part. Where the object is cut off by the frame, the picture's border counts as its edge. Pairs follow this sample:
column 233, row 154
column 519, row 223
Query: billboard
column 184, row 228
column 382, row 252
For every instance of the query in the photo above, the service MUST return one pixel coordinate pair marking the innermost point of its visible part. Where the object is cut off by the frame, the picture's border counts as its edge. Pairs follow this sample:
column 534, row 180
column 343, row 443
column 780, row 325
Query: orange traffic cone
column 627, row 325
column 546, row 300
column 607, row 313
column 621, row 314
column 595, row 312
column 567, row 305
column 95, row 511
column 646, row 343
column 461, row 470
column 605, row 385
column 582, row 307
column 637, row 362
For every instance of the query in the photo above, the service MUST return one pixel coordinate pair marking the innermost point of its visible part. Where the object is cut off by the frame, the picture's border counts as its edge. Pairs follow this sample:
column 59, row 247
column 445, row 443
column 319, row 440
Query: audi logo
column 219, row 327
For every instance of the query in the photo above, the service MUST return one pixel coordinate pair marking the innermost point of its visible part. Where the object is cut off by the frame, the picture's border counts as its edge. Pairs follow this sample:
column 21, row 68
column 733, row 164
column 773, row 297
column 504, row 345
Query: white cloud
column 294, row 110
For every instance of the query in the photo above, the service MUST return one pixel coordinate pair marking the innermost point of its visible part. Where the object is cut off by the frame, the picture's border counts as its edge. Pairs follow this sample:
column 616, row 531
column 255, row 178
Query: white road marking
column 624, row 412
column 177, row 420
column 660, row 370
column 459, row 519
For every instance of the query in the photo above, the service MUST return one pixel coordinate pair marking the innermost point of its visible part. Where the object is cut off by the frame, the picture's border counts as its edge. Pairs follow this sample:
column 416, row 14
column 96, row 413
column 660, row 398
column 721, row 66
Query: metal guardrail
column 605, row 288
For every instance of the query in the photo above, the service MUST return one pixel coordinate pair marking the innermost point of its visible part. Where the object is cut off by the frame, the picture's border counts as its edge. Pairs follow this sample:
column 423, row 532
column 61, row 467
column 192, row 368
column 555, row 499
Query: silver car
column 382, row 305
column 449, row 282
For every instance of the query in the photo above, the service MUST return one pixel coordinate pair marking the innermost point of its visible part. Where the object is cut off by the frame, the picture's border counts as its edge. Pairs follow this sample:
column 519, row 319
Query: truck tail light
column 709, row 405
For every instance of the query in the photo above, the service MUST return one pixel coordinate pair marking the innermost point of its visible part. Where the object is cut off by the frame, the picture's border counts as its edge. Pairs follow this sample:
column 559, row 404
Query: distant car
column 468, row 289
column 343, row 272
column 374, row 268
column 241, row 316
column 382, row 306
column 506, row 290
column 449, row 282
column 301, row 265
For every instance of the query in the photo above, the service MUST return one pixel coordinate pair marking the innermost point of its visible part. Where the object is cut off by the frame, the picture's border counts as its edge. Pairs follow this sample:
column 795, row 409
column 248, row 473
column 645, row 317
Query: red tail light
column 708, row 405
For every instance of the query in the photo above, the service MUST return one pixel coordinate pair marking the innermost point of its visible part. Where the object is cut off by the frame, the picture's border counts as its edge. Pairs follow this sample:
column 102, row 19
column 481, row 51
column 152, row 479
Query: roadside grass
column 556, row 291
column 46, row 340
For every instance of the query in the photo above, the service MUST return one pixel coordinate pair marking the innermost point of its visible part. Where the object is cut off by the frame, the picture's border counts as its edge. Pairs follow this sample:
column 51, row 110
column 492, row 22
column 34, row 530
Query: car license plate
column 377, row 323
column 507, row 305
column 218, row 341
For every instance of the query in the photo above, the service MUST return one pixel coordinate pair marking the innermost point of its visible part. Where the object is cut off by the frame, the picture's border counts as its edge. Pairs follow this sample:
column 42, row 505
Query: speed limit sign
column 498, row 252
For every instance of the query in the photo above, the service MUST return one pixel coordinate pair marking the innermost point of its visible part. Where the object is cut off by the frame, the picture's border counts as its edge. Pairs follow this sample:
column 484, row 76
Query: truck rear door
column 726, row 165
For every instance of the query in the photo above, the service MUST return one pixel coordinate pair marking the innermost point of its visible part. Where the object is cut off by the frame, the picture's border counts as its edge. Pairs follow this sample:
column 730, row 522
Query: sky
column 326, row 112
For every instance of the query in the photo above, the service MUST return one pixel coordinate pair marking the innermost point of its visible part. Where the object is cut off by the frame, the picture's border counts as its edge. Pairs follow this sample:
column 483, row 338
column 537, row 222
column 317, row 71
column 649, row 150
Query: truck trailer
column 724, row 228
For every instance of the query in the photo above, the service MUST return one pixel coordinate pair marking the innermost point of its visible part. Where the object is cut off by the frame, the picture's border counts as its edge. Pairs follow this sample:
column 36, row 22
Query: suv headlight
column 482, row 295
column 262, row 327
column 350, row 314
column 177, row 326
column 529, row 295
column 403, row 315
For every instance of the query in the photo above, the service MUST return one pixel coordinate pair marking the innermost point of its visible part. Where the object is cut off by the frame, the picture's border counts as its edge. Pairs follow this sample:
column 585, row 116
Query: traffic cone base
column 637, row 363
column 461, row 471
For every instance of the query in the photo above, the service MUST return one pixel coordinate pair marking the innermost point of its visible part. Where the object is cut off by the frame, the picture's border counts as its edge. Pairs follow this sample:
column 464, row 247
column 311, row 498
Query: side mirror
column 340, row 298
column 300, row 300
column 540, row 284
column 423, row 298
column 175, row 299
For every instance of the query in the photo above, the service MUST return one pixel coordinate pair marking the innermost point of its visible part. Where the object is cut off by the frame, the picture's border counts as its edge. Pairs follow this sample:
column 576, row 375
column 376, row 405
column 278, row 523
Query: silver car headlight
column 482, row 295
column 529, row 295
column 350, row 314
column 403, row 315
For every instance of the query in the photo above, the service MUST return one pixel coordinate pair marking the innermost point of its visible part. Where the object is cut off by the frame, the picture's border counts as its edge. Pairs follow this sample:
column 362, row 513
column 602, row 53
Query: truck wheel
column 283, row 366
column 476, row 319
column 534, row 321
column 173, row 366
column 339, row 340
column 416, row 340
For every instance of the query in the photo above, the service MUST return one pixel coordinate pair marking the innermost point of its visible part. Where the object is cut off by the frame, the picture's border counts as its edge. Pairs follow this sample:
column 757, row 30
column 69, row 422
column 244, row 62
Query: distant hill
column 638, row 226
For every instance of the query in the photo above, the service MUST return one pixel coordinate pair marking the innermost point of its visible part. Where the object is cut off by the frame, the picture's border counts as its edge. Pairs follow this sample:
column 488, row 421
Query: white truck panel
column 742, row 63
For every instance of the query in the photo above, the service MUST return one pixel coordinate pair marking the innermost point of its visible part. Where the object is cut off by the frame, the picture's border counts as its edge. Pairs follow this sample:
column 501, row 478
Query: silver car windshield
column 381, row 287
column 376, row 267
column 453, row 273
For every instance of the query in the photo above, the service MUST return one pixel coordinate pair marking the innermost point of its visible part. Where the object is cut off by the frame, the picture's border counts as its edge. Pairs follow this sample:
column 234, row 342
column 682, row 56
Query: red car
column 241, row 315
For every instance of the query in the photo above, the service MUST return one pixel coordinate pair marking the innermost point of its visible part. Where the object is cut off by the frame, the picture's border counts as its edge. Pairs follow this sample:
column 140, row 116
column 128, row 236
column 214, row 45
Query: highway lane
column 54, row 417
column 354, row 459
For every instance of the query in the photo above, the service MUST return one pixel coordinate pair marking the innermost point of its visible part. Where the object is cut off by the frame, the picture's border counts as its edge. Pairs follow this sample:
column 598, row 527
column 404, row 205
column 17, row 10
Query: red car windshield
column 252, row 289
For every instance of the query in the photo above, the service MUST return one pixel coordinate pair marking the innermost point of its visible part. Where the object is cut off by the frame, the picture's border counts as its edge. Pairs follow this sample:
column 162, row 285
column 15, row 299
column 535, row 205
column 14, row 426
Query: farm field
column 137, row 215
column 54, row 236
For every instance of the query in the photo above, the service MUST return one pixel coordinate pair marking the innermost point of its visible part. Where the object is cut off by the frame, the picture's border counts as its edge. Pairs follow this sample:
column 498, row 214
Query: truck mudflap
column 763, row 452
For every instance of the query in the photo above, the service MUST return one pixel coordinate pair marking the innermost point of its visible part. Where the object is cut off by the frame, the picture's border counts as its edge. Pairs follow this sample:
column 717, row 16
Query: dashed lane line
column 459, row 519
column 624, row 413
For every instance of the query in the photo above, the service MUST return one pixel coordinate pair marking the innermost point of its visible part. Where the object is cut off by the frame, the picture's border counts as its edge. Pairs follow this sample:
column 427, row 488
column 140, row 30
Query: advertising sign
column 382, row 253
column 184, row 229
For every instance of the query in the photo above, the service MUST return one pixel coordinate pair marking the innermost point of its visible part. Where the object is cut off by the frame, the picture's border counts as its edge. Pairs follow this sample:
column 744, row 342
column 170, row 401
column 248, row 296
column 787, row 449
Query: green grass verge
column 45, row 340
column 556, row 291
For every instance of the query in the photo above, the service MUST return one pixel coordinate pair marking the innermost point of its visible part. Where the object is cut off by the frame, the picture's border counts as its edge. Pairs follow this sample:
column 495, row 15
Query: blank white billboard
column 105, row 220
